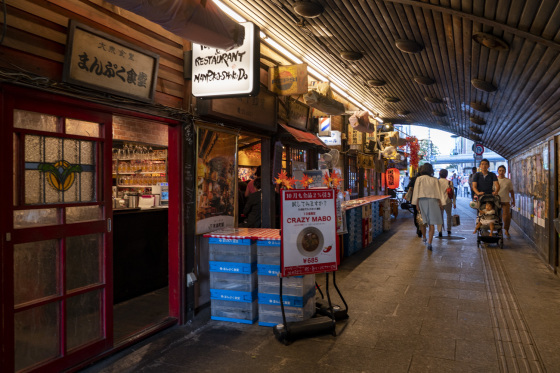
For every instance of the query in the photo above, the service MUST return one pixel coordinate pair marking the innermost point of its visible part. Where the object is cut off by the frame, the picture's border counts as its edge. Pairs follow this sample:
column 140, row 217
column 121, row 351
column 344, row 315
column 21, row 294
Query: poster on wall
column 309, row 243
column 216, row 177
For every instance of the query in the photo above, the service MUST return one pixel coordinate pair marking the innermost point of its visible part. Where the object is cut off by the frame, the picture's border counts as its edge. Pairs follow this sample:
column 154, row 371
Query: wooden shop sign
column 102, row 62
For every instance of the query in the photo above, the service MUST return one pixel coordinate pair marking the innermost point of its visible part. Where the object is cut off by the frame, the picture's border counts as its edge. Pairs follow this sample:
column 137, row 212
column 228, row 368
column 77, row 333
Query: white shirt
column 444, row 184
column 506, row 186
column 427, row 187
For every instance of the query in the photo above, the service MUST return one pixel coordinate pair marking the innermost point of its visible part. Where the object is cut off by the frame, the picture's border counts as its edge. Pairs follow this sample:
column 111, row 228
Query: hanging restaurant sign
column 233, row 73
column 288, row 80
column 365, row 161
column 298, row 114
column 393, row 178
column 102, row 62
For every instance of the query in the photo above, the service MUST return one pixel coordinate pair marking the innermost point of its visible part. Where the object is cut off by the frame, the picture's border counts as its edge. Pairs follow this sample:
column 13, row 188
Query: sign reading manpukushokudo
column 234, row 73
column 309, row 243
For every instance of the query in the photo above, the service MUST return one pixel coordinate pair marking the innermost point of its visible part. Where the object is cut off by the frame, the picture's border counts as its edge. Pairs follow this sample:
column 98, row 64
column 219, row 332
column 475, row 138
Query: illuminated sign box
column 218, row 73
column 102, row 62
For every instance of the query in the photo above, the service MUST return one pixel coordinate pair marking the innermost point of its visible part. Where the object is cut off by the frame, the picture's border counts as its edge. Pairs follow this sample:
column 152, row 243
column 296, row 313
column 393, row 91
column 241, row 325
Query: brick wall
column 138, row 130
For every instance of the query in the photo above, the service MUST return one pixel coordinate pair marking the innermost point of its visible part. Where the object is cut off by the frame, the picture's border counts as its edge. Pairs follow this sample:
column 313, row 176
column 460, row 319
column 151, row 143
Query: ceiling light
column 408, row 46
column 483, row 85
column 229, row 11
column 376, row 82
column 392, row 99
column 308, row 9
column 433, row 100
column 351, row 55
column 476, row 130
column 477, row 120
column 490, row 41
column 424, row 80
column 403, row 112
column 479, row 106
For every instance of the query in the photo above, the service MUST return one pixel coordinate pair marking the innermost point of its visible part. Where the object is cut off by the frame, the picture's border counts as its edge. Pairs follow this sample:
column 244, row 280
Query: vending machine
column 162, row 189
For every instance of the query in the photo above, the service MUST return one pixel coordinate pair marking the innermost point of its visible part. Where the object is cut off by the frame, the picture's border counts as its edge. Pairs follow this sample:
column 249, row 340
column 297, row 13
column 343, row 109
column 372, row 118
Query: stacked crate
column 353, row 240
column 376, row 220
column 298, row 292
column 233, row 279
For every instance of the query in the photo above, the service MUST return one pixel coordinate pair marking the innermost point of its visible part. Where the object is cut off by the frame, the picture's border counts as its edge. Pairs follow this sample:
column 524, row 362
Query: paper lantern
column 393, row 178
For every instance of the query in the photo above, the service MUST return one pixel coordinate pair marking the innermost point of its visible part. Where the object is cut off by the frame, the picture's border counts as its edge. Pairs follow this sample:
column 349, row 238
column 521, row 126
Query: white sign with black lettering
column 218, row 73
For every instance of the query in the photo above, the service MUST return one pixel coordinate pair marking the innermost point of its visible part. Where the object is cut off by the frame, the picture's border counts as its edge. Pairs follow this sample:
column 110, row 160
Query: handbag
column 419, row 219
column 408, row 195
column 455, row 220
column 450, row 191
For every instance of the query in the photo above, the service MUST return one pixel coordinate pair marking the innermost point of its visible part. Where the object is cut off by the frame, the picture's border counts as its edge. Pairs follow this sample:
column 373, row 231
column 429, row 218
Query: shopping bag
column 455, row 220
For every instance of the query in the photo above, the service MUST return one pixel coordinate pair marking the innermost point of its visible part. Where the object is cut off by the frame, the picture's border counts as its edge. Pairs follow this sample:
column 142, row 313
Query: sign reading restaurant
column 100, row 61
column 218, row 73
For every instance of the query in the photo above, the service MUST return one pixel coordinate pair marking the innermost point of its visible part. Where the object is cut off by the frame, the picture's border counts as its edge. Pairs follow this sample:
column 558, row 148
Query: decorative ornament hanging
column 413, row 150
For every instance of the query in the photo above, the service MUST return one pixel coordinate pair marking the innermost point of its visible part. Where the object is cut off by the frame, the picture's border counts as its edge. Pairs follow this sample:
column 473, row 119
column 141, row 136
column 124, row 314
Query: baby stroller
column 482, row 235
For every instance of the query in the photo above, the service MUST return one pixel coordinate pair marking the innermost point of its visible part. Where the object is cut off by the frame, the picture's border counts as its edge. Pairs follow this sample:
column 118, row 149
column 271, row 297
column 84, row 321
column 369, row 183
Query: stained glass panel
column 59, row 170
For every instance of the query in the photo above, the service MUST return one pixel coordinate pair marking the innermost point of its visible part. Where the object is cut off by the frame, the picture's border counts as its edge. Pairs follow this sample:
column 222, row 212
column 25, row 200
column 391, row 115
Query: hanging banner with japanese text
column 102, row 62
column 309, row 242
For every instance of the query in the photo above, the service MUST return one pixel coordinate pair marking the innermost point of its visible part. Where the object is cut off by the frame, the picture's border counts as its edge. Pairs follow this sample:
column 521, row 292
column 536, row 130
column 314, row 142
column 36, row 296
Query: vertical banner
column 309, row 243
column 216, row 180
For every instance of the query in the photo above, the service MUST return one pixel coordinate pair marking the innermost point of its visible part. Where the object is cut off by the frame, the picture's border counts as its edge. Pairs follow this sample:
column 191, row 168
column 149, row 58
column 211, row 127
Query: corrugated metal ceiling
column 522, row 110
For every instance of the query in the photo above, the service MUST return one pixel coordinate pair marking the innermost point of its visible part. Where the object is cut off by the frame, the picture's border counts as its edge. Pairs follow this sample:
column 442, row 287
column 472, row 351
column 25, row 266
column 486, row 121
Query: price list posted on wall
column 309, row 242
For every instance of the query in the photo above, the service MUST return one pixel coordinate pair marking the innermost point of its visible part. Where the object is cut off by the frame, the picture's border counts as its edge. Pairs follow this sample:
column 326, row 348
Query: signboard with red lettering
column 309, row 242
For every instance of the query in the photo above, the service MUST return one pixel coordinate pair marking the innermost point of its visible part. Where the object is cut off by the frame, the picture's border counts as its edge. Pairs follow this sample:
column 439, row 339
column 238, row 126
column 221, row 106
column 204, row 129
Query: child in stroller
column 487, row 216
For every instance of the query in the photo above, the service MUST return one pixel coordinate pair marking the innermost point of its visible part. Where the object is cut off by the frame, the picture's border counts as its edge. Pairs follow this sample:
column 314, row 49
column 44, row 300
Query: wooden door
column 56, row 224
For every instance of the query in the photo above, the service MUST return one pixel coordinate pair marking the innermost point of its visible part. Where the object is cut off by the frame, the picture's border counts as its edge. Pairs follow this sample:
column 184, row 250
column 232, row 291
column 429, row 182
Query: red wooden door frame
column 15, row 97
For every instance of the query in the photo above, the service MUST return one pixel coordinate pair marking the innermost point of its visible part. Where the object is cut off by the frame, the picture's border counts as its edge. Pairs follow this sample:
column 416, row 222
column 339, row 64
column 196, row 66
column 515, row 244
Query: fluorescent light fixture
column 316, row 75
column 282, row 50
column 378, row 119
column 335, row 83
column 229, row 12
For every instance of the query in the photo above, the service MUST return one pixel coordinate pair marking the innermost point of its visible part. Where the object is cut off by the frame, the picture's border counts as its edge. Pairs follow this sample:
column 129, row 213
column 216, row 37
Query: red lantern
column 393, row 178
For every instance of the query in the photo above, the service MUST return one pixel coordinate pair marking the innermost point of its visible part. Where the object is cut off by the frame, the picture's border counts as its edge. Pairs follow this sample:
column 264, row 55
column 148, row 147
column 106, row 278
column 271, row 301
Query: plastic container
column 240, row 312
column 271, row 315
column 268, row 252
column 232, row 250
column 234, row 281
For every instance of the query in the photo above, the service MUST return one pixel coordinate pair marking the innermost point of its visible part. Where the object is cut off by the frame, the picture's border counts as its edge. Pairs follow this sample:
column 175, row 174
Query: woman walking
column 506, row 190
column 429, row 199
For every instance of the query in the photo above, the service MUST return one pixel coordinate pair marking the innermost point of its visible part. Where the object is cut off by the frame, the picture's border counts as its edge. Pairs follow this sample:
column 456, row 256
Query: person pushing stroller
column 487, row 217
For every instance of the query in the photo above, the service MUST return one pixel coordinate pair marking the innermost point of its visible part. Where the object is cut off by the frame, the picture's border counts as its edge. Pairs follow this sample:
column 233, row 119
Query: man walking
column 485, row 182
column 455, row 181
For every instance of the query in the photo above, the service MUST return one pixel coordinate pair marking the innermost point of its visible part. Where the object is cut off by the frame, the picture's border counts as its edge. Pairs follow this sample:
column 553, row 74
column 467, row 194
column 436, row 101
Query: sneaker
column 449, row 233
column 419, row 233
column 430, row 247
column 424, row 240
column 440, row 234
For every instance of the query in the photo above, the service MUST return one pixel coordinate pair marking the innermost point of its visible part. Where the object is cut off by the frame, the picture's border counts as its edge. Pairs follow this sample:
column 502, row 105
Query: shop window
column 353, row 176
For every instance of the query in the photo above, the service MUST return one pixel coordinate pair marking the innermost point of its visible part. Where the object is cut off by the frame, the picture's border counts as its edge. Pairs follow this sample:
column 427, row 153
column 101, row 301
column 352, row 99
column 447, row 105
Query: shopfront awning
column 306, row 140
column 200, row 21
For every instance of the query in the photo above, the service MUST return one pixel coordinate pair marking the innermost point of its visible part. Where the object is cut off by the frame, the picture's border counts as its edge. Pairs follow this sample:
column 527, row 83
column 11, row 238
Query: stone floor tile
column 480, row 352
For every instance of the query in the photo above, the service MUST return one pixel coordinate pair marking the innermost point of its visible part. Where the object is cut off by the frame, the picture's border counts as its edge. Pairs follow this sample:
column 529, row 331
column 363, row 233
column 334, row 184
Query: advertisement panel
column 216, row 176
column 288, row 80
column 309, row 242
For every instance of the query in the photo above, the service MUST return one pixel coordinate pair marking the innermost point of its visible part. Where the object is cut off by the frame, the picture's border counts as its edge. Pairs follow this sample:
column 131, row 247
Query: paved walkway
column 456, row 309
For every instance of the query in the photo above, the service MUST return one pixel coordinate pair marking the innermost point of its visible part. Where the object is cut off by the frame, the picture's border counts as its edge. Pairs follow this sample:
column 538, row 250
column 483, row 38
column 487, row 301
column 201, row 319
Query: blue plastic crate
column 268, row 252
column 232, row 250
column 271, row 315
column 288, row 300
column 234, row 296
column 230, row 267
column 234, row 281
column 239, row 312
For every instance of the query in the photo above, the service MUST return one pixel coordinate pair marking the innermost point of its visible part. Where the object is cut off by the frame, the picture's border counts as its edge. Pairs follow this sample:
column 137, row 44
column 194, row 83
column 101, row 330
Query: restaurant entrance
column 58, row 231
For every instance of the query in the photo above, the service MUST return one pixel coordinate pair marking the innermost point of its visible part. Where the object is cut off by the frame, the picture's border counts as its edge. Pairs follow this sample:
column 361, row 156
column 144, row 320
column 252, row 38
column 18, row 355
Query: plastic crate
column 233, row 296
column 291, row 301
column 268, row 252
column 240, row 312
column 271, row 315
column 230, row 267
column 232, row 250
column 234, row 281
column 292, row 286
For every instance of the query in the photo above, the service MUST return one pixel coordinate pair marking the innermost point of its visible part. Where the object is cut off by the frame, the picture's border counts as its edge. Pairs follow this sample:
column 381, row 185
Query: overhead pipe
column 199, row 21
